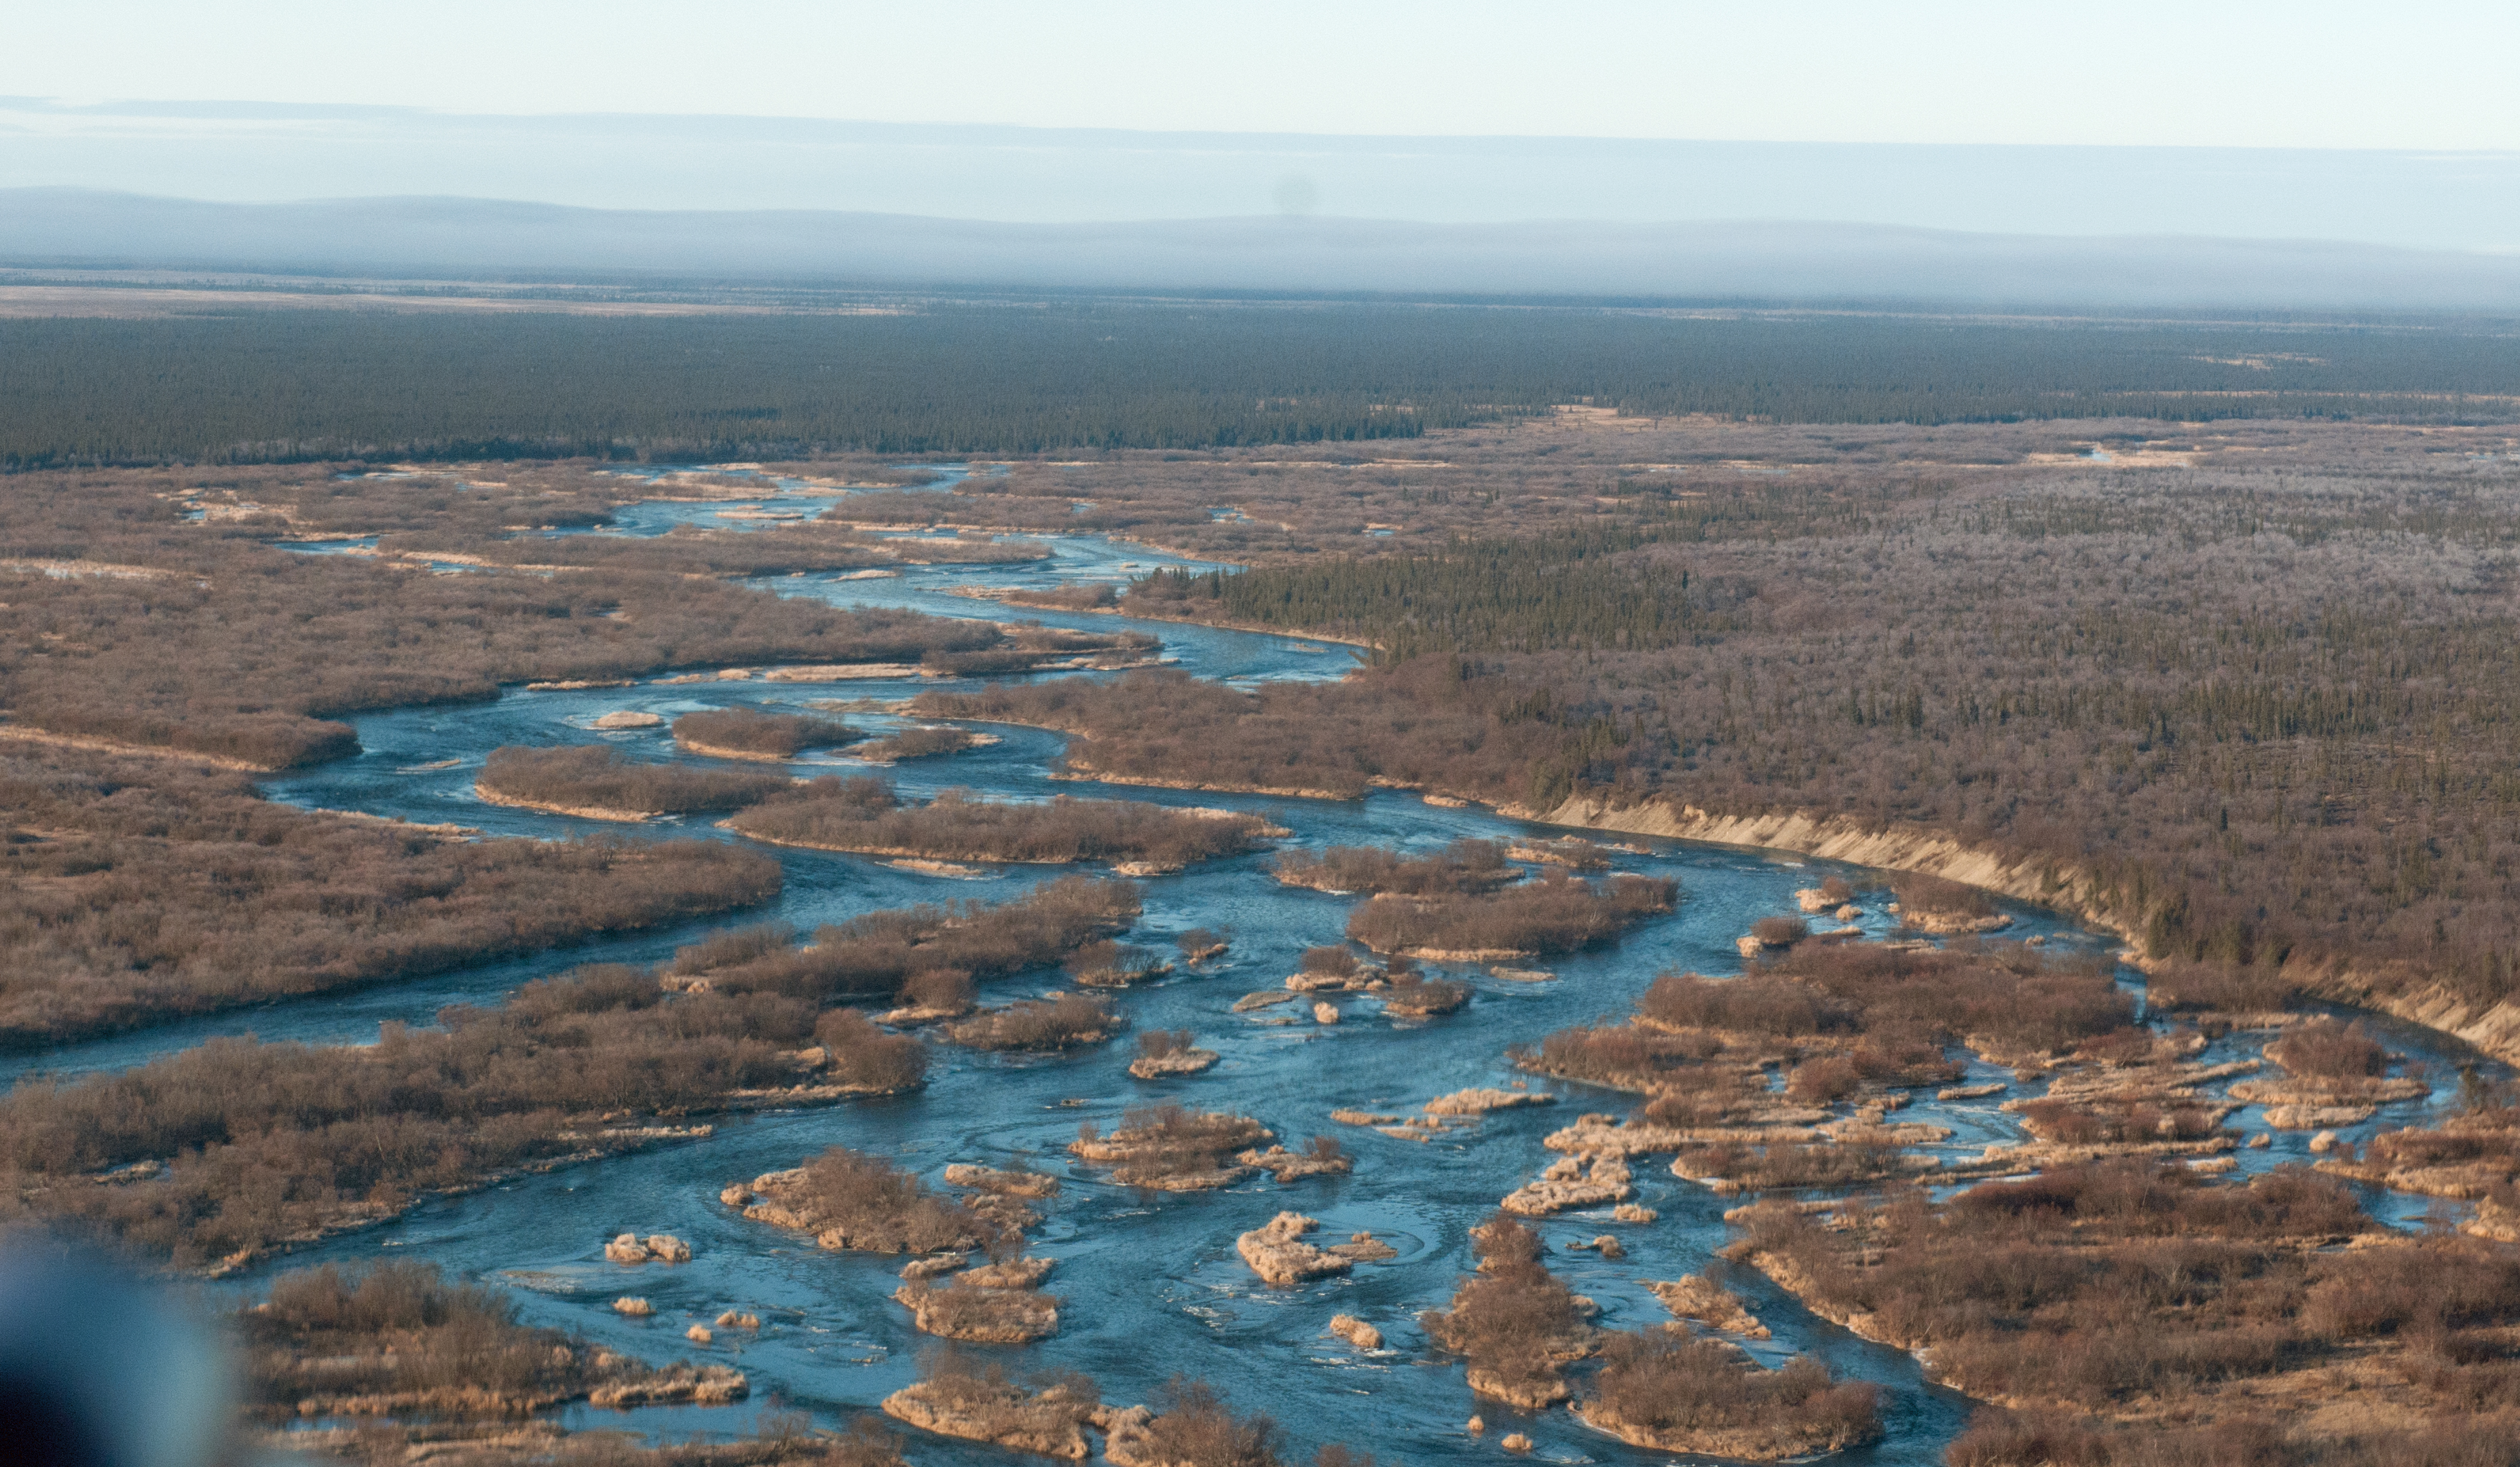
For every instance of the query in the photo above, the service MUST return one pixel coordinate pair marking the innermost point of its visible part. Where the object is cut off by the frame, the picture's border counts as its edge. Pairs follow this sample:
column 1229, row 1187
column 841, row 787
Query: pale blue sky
column 2300, row 73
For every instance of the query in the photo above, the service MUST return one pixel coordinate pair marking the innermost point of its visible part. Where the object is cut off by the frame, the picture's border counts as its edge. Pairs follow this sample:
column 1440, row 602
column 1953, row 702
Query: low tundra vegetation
column 232, row 1149
column 1065, row 1022
column 2130, row 1302
column 109, row 919
column 754, row 735
column 1662, row 1389
column 918, row 743
column 873, row 956
column 1464, row 866
column 600, row 777
column 1516, row 1323
column 2329, row 1051
column 1923, row 895
column 1169, row 1146
column 876, row 1207
column 861, row 814
column 398, row 1338
column 1554, row 912
column 227, row 645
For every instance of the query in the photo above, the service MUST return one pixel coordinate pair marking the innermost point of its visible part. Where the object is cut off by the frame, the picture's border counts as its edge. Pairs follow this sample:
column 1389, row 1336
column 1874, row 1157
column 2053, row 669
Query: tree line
column 280, row 386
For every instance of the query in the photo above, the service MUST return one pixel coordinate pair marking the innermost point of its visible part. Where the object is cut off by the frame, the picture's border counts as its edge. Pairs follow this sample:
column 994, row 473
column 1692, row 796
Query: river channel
column 1155, row 1288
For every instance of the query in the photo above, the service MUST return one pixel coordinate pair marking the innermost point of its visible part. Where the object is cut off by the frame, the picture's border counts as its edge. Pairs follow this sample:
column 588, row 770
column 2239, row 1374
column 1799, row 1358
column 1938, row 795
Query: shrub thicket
column 598, row 776
column 861, row 814
column 1555, row 914
column 752, row 733
column 137, row 892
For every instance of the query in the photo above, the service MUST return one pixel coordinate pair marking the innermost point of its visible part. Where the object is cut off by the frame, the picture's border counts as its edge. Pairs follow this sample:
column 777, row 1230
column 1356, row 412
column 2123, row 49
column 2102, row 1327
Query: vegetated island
column 1520, row 1328
column 2031, row 1292
column 107, row 921
column 1464, row 868
column 1168, row 1147
column 1556, row 913
column 390, row 1359
column 1404, row 992
column 2095, row 1362
column 250, row 655
column 863, row 815
column 1050, row 1413
column 691, row 549
column 1856, row 1027
column 600, row 783
column 317, row 1139
column 922, row 744
column 749, row 734
column 850, row 1200
column 1166, row 1054
column 389, row 1339
column 255, row 651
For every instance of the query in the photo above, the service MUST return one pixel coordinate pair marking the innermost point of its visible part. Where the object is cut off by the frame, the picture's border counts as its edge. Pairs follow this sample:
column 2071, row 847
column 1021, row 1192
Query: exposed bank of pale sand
column 491, row 796
column 2493, row 1029
column 24, row 734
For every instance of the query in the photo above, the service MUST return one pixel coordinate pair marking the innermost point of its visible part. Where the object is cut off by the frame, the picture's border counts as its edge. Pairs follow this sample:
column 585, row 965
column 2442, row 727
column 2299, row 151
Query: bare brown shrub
column 919, row 744
column 1824, row 1081
column 134, row 892
column 861, row 814
column 1092, row 596
column 1780, row 931
column 598, row 776
column 1156, row 1044
column 1464, row 866
column 1665, row 1383
column 1616, row 1055
column 400, row 1331
column 946, row 991
column 1168, row 1143
column 1195, row 1427
column 2329, row 1051
column 1112, row 965
column 1553, row 913
column 1756, row 1002
column 1335, row 961
column 1061, row 1023
column 750, row 731
column 880, row 1208
column 861, row 1054
column 1412, row 995
column 1515, row 1321
column 1921, row 895
column 2229, row 988
column 874, row 954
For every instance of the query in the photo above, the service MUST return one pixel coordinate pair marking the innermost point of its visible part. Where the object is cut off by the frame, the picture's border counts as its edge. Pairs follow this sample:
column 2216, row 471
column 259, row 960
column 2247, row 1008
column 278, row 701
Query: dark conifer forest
column 262, row 384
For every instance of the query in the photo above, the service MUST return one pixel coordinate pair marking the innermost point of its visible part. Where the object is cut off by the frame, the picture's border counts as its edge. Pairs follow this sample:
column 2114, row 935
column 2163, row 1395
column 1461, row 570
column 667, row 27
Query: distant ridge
column 1777, row 260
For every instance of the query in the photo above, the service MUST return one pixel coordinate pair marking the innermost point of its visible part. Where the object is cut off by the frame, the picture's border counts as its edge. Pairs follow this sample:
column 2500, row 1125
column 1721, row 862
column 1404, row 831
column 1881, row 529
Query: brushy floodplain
column 1625, row 623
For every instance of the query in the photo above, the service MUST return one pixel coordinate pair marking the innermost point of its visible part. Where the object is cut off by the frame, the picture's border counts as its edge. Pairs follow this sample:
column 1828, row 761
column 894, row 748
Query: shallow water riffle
column 1152, row 1286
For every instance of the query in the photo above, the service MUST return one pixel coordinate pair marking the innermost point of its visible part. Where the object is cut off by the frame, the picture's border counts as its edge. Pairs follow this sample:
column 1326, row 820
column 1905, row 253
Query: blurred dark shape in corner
column 99, row 1367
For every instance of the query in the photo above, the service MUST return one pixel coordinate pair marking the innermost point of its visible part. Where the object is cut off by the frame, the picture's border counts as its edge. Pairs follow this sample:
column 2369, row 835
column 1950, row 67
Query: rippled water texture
column 1151, row 1289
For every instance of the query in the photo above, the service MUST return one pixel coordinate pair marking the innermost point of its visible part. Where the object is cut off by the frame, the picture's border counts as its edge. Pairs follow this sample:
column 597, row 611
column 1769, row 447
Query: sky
column 2389, row 125
column 2247, row 74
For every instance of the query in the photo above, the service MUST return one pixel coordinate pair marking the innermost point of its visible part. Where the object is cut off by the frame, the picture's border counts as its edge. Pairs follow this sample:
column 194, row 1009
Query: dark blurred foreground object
column 99, row 1369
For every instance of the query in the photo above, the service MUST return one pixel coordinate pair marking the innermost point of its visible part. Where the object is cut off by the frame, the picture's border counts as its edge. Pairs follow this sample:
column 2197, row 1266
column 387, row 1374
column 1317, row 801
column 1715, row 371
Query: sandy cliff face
column 2493, row 1028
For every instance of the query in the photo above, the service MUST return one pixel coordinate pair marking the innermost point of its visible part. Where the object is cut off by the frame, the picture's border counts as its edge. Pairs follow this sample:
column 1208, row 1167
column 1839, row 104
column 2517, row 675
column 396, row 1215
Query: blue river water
column 1155, row 1288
